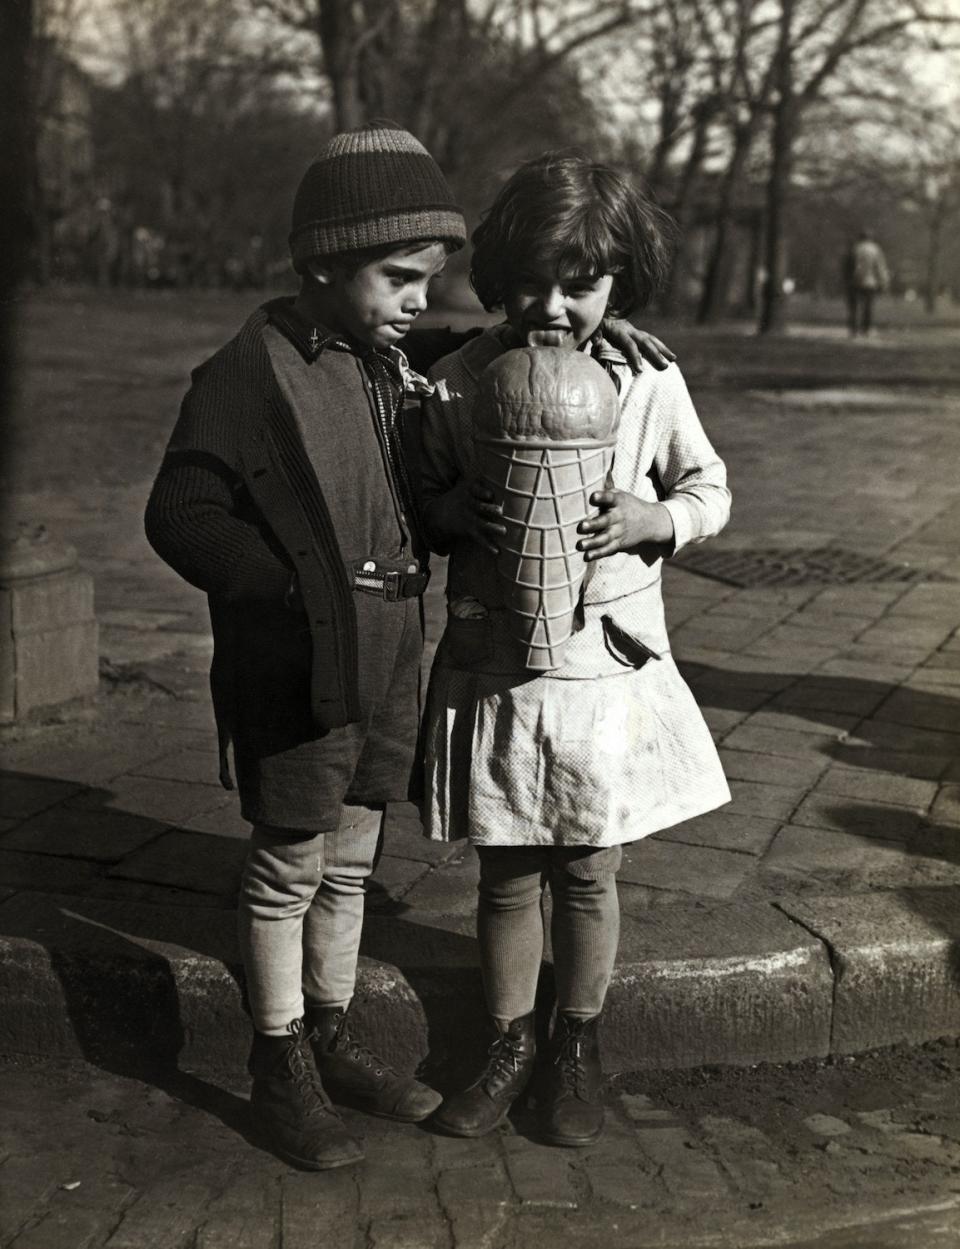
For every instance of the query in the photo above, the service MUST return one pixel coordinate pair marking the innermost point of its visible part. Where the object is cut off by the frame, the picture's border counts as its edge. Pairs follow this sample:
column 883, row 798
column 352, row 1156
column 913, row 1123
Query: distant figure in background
column 865, row 274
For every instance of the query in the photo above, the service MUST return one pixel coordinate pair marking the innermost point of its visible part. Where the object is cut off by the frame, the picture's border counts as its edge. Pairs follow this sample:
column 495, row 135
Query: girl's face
column 551, row 308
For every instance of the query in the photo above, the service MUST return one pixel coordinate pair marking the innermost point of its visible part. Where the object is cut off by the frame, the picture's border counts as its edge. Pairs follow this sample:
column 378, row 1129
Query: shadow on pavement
column 124, row 1007
column 904, row 732
column 127, row 1016
column 117, row 1019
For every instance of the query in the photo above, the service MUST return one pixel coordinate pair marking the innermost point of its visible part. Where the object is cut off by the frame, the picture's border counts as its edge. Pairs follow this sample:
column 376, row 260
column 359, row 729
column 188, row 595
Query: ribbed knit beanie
column 368, row 187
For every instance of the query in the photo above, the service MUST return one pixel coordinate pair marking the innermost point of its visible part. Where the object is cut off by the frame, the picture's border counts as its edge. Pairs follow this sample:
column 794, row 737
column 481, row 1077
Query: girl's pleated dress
column 611, row 746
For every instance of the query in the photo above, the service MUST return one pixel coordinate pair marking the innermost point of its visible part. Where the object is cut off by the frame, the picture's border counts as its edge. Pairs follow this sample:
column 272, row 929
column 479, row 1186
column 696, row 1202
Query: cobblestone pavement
column 864, row 1154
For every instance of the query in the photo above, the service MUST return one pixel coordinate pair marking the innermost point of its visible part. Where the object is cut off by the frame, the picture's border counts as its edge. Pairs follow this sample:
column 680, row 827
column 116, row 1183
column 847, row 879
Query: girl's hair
column 583, row 216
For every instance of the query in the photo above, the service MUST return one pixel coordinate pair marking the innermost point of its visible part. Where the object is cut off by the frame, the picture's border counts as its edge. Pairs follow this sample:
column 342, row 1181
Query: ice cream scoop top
column 546, row 393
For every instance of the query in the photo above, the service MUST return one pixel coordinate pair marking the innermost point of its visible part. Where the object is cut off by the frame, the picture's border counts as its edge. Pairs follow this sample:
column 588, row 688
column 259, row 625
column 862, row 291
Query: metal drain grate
column 826, row 565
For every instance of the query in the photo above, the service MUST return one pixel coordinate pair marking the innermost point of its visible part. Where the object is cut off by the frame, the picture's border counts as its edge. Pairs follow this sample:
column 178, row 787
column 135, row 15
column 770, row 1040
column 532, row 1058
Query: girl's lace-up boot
column 483, row 1105
column 570, row 1109
column 290, row 1108
column 354, row 1076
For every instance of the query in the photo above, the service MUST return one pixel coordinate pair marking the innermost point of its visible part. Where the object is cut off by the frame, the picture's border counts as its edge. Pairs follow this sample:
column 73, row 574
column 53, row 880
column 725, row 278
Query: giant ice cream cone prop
column 545, row 427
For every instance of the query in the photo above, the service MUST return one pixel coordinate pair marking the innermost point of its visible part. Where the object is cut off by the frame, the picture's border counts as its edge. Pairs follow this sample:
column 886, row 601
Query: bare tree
column 56, row 104
column 879, row 149
column 929, row 183
column 667, row 63
column 738, row 36
column 186, row 131
column 443, row 67
column 728, row 73
column 815, row 39
column 706, row 67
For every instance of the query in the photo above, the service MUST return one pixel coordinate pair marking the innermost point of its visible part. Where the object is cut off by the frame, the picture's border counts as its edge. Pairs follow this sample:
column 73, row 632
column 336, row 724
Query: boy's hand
column 624, row 522
column 469, row 510
column 637, row 345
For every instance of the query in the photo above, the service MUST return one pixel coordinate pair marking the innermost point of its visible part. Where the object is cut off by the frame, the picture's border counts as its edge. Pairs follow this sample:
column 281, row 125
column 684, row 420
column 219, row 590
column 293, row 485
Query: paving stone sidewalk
column 817, row 913
column 690, row 1163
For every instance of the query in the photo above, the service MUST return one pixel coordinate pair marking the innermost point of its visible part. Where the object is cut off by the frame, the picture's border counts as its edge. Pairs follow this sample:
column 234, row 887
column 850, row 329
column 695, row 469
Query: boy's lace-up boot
column 355, row 1076
column 290, row 1108
column 570, row 1109
column 483, row 1105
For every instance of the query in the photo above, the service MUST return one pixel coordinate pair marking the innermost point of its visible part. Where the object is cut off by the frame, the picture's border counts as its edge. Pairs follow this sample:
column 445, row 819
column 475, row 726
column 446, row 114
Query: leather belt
column 388, row 579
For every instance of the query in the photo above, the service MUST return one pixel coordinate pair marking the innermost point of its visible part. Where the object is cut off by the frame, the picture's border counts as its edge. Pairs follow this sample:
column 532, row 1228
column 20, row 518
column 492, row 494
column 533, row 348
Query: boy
column 284, row 494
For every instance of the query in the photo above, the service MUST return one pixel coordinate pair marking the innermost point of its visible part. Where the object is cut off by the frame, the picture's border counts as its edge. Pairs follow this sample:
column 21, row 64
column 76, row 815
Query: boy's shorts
column 288, row 775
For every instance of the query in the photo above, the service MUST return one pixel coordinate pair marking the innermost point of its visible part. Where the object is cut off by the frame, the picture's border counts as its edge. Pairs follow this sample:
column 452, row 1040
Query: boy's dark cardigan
column 237, row 511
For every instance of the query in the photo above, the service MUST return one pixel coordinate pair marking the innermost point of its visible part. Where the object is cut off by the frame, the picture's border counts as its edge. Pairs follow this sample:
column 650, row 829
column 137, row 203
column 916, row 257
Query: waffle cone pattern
column 545, row 429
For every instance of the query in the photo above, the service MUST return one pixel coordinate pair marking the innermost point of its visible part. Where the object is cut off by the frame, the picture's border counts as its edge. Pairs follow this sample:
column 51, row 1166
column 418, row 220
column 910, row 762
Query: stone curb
column 132, row 985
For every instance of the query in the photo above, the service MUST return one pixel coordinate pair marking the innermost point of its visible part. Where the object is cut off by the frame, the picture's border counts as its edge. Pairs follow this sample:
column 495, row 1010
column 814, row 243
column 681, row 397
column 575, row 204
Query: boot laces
column 569, row 1062
column 357, row 1052
column 304, row 1074
column 504, row 1059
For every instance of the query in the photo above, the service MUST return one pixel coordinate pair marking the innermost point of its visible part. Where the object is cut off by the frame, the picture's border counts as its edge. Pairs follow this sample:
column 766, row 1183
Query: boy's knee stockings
column 301, row 915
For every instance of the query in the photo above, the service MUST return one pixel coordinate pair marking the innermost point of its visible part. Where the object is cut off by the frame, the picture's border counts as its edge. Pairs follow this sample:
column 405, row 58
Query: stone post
column 48, row 632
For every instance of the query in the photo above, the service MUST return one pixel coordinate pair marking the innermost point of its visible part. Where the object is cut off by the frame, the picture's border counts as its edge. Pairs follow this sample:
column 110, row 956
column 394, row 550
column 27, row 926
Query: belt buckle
column 391, row 586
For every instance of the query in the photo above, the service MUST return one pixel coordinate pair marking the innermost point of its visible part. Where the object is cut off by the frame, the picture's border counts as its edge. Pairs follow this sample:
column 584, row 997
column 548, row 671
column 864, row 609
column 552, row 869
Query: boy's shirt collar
column 311, row 339
column 413, row 382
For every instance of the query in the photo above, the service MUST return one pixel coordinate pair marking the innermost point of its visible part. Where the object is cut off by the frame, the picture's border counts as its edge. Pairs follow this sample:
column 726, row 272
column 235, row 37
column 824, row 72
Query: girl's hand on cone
column 637, row 345
column 469, row 511
column 624, row 523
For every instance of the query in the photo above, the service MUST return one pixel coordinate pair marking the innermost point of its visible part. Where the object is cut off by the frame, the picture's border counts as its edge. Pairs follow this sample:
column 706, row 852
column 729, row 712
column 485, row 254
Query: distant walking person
column 865, row 275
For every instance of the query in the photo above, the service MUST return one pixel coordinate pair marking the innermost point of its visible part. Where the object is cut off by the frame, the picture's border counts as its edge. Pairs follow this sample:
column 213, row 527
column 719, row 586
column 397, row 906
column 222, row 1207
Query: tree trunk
column 773, row 312
column 713, row 298
column 932, row 283
column 753, row 264
column 670, row 297
column 669, row 121
column 422, row 100
column 773, row 316
column 338, row 32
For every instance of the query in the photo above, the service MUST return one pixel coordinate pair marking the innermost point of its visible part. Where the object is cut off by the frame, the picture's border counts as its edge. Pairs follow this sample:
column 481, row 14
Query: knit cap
column 368, row 187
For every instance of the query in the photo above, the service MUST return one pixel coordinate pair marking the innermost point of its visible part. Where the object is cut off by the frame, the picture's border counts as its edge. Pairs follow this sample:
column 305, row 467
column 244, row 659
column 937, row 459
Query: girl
column 549, row 774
